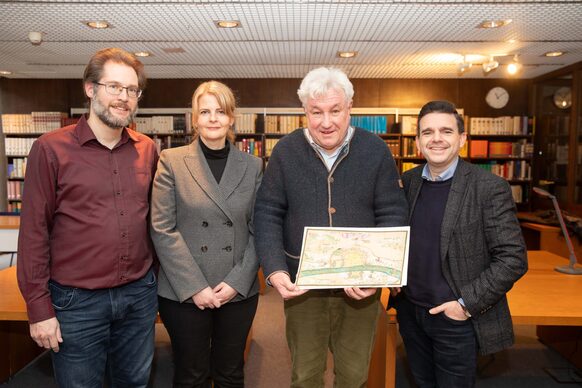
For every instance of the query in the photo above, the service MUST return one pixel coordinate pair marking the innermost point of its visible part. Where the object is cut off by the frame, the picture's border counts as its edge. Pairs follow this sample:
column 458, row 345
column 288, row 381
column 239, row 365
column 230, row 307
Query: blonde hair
column 225, row 99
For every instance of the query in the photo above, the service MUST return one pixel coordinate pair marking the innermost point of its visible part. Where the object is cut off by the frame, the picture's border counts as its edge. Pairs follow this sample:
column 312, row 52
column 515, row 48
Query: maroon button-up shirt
column 84, row 220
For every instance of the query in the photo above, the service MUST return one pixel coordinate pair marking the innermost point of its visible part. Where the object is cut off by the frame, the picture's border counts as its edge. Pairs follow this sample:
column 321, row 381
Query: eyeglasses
column 116, row 90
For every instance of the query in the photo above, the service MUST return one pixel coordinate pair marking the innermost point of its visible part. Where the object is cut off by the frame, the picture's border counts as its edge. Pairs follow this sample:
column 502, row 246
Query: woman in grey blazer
column 201, row 226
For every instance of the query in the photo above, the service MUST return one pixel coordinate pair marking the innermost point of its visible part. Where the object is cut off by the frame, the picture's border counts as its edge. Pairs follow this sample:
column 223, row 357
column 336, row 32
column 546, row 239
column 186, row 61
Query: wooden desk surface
column 9, row 222
column 544, row 296
column 12, row 306
column 540, row 227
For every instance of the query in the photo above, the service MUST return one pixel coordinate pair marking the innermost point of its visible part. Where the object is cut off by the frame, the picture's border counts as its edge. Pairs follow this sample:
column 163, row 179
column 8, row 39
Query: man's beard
column 107, row 118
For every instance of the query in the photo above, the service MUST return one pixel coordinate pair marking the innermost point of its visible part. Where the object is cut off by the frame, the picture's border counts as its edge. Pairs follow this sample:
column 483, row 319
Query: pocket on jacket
column 61, row 296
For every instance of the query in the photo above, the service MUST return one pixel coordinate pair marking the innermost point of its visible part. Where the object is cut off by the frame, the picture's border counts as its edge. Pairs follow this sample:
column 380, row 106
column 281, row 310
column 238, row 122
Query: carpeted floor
column 268, row 364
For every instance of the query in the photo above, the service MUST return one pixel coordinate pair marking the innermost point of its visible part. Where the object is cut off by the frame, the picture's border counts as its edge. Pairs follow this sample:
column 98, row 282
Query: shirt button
column 118, row 193
column 331, row 210
column 122, row 213
column 203, row 248
column 204, row 224
column 228, row 223
column 124, row 235
column 115, row 172
column 228, row 248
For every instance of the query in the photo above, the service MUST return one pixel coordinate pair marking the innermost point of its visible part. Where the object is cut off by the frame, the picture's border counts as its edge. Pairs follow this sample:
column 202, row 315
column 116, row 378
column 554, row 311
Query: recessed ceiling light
column 494, row 23
column 512, row 41
column 5, row 72
column 142, row 54
column 98, row 24
column 347, row 54
column 554, row 53
column 227, row 23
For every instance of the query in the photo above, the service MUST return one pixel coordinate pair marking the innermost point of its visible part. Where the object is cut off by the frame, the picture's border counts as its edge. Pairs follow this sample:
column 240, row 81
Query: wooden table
column 542, row 297
column 549, row 238
column 17, row 348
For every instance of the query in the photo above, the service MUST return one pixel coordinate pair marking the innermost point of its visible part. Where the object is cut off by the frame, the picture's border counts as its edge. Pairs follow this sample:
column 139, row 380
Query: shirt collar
column 85, row 133
column 321, row 150
column 446, row 175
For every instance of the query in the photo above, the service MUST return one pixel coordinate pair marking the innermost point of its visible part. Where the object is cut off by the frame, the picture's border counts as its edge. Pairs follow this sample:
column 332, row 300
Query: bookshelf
column 504, row 146
column 259, row 129
column 21, row 130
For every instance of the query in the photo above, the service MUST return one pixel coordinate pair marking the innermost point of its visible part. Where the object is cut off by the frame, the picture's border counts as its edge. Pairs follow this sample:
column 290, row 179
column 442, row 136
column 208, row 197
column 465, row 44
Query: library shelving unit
column 168, row 127
column 20, row 131
column 504, row 146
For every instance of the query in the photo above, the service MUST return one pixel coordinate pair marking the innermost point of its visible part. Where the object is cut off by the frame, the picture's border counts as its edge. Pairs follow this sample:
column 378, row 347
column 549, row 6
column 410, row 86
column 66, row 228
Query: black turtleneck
column 216, row 159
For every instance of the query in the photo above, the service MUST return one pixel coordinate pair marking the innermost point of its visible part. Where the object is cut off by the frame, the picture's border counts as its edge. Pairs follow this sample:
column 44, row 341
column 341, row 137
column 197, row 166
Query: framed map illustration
column 353, row 257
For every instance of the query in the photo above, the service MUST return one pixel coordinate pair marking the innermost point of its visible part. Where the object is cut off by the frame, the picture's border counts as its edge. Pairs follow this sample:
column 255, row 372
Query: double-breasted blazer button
column 204, row 224
column 228, row 223
column 203, row 248
column 228, row 248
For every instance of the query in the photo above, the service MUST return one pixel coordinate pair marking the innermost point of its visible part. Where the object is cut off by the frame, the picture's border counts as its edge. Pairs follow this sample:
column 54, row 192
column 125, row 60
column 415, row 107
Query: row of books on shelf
column 257, row 147
column 14, row 190
column 374, row 124
column 501, row 149
column 163, row 125
column 504, row 125
column 35, row 122
column 18, row 146
column 14, row 207
column 245, row 123
column 518, row 193
column 251, row 146
column 17, row 168
column 510, row 170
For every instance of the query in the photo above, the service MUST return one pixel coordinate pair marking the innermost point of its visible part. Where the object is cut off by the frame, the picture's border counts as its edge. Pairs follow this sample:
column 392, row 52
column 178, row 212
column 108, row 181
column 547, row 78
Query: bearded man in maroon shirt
column 84, row 253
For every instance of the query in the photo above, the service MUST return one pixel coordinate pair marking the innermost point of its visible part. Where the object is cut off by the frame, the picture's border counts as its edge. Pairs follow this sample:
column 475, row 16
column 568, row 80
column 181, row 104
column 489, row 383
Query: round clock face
column 497, row 97
column 563, row 98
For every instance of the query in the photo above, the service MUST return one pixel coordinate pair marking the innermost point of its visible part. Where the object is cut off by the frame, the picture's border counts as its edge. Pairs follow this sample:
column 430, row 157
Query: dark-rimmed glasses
column 116, row 90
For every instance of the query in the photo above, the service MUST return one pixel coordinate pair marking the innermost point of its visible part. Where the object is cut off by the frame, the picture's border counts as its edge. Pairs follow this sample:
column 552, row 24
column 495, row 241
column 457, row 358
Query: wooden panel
column 24, row 96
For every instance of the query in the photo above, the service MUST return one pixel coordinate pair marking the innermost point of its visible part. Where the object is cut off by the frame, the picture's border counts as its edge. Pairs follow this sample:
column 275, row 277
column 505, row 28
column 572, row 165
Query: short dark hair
column 94, row 70
column 441, row 107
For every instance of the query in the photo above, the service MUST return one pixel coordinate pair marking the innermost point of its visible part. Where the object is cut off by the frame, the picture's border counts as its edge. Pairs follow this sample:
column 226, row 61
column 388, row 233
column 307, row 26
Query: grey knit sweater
column 361, row 190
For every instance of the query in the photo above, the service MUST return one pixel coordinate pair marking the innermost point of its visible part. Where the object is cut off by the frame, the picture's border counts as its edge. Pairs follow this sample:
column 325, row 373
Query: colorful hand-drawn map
column 353, row 257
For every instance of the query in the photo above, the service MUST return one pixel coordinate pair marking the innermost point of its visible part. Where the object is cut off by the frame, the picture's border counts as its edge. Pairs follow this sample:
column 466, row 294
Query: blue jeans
column 441, row 352
column 106, row 332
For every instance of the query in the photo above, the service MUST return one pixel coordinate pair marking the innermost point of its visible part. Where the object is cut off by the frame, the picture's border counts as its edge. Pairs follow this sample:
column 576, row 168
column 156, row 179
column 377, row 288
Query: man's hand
column 224, row 292
column 284, row 286
column 206, row 299
column 358, row 293
column 452, row 309
column 47, row 334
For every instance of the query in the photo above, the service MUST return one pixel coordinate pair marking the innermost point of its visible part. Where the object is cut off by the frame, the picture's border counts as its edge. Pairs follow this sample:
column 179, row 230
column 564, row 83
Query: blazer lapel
column 413, row 191
column 198, row 167
column 454, row 205
column 233, row 172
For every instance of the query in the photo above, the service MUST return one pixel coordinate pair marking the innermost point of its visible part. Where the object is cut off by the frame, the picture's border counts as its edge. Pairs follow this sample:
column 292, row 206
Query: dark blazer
column 482, row 249
column 202, row 230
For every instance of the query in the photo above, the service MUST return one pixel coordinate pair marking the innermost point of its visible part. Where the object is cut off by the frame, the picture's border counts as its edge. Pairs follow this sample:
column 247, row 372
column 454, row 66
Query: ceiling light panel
column 300, row 34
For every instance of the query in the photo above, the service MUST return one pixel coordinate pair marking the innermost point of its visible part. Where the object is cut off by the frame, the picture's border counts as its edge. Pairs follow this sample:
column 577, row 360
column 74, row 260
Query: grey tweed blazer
column 482, row 249
column 202, row 230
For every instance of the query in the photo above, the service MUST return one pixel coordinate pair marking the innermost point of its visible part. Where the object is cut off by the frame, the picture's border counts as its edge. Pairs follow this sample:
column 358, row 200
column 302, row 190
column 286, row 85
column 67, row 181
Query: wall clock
column 563, row 97
column 497, row 97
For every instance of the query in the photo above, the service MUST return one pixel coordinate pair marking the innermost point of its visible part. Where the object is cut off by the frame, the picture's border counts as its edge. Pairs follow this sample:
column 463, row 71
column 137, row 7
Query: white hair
column 319, row 81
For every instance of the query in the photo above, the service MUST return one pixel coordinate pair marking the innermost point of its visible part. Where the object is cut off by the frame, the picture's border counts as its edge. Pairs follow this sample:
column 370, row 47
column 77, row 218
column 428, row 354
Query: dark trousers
column 208, row 345
column 442, row 352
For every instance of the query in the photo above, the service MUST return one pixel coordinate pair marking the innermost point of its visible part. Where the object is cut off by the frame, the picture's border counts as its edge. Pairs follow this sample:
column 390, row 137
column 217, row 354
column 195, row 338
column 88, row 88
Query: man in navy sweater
column 328, row 174
column 466, row 252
